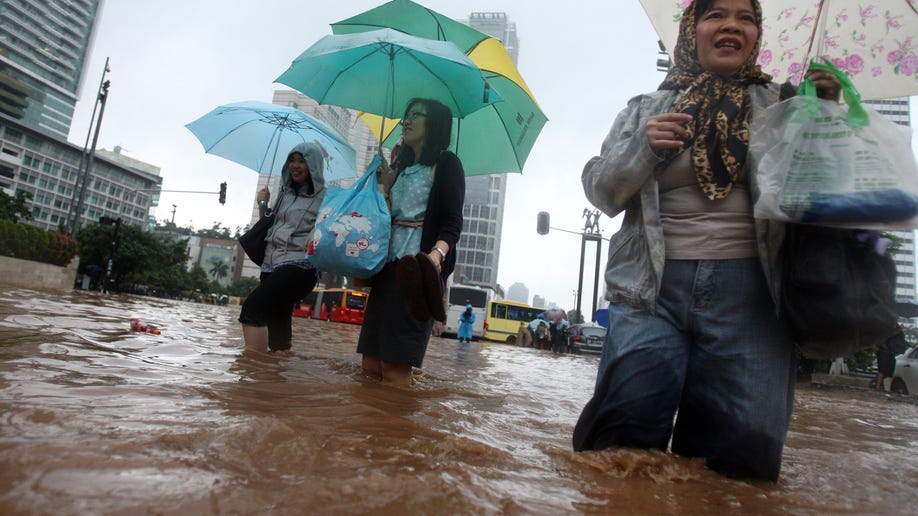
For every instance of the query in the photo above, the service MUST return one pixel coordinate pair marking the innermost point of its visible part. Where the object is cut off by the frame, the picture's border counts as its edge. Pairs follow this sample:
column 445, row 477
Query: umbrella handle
column 857, row 116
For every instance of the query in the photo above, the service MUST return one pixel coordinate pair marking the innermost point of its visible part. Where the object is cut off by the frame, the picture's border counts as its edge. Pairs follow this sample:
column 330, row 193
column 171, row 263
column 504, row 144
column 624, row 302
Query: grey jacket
column 623, row 178
column 295, row 210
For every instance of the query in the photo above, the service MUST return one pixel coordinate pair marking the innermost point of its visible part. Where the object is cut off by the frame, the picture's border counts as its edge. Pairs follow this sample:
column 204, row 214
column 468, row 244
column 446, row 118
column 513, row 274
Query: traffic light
column 542, row 223
column 223, row 192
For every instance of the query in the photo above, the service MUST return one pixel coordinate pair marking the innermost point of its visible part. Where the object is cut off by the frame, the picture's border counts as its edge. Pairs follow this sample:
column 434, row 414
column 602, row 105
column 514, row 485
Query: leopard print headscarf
column 719, row 131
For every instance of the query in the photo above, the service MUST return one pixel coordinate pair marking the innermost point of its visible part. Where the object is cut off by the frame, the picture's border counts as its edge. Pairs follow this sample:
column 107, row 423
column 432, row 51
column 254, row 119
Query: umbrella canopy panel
column 415, row 19
column 380, row 71
column 875, row 42
column 497, row 139
column 259, row 136
column 493, row 140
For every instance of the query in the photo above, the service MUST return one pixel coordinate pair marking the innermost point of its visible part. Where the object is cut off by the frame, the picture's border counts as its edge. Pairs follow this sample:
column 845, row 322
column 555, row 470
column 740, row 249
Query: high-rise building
column 43, row 48
column 478, row 254
column 539, row 301
column 897, row 110
column 497, row 25
column 518, row 292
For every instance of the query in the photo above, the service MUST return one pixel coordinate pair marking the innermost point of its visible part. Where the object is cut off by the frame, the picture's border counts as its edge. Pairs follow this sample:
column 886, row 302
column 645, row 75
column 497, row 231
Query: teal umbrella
column 259, row 135
column 493, row 140
column 380, row 71
column 496, row 139
column 412, row 18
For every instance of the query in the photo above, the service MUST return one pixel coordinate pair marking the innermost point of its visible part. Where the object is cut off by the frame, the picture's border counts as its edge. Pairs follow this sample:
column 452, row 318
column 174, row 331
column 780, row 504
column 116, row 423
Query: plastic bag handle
column 857, row 116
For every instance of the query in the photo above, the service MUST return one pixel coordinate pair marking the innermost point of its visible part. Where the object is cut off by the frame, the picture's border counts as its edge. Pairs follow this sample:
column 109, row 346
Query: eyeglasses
column 411, row 117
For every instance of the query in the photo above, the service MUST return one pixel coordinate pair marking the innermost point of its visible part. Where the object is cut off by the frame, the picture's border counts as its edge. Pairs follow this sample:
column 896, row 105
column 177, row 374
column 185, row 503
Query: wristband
column 437, row 249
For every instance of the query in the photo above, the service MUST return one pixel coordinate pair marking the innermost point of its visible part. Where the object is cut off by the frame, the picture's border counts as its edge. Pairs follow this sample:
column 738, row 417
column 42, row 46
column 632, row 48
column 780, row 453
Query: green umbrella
column 380, row 71
column 493, row 140
column 496, row 139
column 412, row 18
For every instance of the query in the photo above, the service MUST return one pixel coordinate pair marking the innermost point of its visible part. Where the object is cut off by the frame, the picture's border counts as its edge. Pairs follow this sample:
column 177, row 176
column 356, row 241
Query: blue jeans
column 712, row 369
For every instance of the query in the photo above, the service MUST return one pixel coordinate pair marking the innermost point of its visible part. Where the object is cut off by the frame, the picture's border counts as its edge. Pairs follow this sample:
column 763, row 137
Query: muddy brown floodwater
column 99, row 420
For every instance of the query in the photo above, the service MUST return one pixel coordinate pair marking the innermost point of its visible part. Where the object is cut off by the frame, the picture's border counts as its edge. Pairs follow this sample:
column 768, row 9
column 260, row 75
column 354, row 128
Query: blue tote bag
column 351, row 235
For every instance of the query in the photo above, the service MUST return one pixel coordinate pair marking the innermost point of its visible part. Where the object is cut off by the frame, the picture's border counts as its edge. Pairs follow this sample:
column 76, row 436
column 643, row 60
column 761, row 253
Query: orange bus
column 333, row 304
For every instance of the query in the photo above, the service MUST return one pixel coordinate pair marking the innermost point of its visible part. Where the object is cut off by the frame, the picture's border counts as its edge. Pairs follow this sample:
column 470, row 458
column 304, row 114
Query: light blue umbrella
column 259, row 135
column 380, row 71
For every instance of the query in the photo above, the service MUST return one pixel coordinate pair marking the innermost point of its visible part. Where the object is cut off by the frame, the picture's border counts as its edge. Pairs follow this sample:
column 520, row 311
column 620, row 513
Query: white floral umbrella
column 876, row 42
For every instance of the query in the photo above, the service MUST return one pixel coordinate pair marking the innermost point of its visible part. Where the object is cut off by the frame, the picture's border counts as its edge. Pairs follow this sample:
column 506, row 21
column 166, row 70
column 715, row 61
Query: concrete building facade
column 48, row 168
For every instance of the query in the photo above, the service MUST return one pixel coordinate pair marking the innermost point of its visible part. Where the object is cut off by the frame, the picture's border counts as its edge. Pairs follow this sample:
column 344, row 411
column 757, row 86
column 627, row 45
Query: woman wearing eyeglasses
column 426, row 190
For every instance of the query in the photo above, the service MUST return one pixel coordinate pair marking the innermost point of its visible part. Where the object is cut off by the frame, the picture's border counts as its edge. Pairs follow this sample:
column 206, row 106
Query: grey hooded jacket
column 295, row 210
column 623, row 178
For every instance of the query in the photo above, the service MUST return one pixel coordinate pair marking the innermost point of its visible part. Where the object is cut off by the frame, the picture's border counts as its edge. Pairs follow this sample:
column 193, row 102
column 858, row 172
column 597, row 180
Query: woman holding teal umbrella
column 426, row 190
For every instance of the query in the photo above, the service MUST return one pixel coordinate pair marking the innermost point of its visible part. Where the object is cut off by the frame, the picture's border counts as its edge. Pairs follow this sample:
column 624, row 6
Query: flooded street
column 96, row 419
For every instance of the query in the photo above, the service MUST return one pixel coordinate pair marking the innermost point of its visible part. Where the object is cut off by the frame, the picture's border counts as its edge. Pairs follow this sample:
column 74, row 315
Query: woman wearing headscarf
column 286, row 275
column 696, row 354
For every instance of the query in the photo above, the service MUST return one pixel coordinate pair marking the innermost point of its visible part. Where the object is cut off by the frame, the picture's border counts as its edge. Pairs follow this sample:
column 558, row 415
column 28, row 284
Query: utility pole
column 86, row 159
column 112, row 249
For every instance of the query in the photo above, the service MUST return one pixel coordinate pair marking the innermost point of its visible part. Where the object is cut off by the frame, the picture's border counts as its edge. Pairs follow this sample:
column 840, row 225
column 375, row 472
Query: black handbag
column 838, row 292
column 253, row 240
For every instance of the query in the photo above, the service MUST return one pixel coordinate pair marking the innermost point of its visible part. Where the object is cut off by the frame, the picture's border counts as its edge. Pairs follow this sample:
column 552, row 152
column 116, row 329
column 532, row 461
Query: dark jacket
column 443, row 219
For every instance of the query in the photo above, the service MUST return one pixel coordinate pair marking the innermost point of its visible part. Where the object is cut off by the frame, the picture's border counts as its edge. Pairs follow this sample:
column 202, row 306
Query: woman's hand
column 438, row 253
column 827, row 84
column 436, row 259
column 384, row 177
column 667, row 130
column 263, row 196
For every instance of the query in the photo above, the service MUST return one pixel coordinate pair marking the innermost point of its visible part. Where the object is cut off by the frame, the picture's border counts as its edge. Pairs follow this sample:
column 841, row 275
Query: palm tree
column 219, row 270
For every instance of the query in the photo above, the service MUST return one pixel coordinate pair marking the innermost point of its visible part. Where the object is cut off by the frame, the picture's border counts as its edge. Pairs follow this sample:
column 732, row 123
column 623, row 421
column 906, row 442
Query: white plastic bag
column 819, row 163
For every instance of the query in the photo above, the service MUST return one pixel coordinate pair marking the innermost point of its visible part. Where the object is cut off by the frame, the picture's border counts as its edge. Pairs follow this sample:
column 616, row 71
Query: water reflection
column 98, row 419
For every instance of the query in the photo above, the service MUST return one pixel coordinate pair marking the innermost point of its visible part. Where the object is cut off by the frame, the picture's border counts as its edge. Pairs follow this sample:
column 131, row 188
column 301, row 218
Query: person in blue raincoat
column 466, row 320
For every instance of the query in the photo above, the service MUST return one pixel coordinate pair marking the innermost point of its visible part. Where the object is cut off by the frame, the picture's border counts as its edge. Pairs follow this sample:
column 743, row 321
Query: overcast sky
column 174, row 60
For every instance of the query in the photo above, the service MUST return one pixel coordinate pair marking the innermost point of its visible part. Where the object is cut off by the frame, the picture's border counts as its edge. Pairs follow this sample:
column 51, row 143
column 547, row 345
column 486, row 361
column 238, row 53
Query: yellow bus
column 504, row 318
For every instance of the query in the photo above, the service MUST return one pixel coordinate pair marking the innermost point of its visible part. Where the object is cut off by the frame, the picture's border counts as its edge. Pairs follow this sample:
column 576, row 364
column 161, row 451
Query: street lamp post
column 83, row 175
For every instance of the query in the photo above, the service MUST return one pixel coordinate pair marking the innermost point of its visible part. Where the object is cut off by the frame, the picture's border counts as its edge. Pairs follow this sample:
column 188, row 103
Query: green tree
column 243, row 287
column 217, row 231
column 167, row 226
column 198, row 279
column 14, row 208
column 140, row 258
